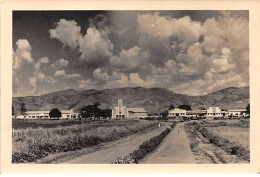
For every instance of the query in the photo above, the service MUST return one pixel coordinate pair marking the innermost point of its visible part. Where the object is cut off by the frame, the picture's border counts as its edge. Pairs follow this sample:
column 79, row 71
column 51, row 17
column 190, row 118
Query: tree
column 13, row 111
column 171, row 107
column 248, row 108
column 185, row 107
column 164, row 114
column 23, row 109
column 91, row 111
column 55, row 112
column 106, row 113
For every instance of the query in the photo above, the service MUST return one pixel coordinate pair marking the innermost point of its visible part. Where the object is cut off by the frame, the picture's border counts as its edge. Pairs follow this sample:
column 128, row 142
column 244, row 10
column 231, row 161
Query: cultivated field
column 31, row 144
column 220, row 141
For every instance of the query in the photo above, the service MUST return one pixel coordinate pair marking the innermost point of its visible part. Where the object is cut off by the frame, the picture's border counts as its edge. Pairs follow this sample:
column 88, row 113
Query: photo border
column 6, row 86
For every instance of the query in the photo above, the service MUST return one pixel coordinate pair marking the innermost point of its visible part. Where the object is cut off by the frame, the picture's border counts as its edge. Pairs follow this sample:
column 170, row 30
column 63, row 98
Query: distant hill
column 154, row 100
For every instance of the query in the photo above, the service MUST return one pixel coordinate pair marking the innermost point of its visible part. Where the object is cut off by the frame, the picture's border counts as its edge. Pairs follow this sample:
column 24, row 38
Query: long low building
column 210, row 112
column 65, row 114
column 122, row 112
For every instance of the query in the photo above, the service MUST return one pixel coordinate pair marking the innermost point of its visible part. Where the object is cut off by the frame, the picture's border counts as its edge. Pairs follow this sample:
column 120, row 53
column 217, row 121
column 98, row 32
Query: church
column 122, row 112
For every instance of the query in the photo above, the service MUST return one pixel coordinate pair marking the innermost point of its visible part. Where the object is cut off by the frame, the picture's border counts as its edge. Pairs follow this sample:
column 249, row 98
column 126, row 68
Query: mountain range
column 154, row 100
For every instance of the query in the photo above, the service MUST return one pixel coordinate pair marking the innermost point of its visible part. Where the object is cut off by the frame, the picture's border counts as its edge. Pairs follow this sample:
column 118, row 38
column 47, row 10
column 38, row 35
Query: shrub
column 144, row 149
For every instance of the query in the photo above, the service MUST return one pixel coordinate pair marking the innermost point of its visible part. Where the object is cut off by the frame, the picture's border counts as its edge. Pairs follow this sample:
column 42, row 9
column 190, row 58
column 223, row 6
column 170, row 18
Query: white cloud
column 22, row 53
column 224, row 63
column 64, row 75
column 136, row 80
column 178, row 53
column 44, row 60
column 59, row 73
column 50, row 80
column 32, row 83
column 95, row 47
column 87, row 84
column 68, row 32
column 186, row 30
column 131, row 60
column 60, row 63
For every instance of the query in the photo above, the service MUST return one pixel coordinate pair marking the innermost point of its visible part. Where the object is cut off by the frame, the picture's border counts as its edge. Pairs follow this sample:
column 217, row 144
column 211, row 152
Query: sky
column 187, row 52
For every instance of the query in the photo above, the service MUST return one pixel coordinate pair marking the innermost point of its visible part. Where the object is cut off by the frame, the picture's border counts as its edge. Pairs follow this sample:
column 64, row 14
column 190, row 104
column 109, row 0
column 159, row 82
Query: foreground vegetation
column 47, row 123
column 145, row 148
column 232, row 137
column 32, row 144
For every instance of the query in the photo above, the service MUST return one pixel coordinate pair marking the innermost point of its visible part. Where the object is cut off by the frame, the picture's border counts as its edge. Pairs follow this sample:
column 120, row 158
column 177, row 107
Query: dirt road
column 122, row 148
column 174, row 149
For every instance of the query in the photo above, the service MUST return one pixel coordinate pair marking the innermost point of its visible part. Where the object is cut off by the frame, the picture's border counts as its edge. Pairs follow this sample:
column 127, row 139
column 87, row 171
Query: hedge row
column 144, row 149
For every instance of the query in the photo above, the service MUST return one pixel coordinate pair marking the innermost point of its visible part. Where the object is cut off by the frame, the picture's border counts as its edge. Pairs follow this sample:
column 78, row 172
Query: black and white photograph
column 130, row 87
column 127, row 87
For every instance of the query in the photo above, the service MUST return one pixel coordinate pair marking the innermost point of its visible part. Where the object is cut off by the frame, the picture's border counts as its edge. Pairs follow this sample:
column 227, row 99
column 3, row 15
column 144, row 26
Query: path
column 122, row 148
column 174, row 149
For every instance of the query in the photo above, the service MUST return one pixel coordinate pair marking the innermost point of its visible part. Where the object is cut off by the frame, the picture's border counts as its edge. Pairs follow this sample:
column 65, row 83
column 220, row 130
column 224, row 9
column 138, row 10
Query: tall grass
column 41, row 123
column 32, row 144
column 231, row 147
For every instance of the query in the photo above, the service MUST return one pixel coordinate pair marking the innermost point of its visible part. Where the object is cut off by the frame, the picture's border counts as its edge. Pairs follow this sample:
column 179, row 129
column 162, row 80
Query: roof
column 47, row 112
column 37, row 112
column 136, row 109
column 66, row 111
column 196, row 111
column 236, row 110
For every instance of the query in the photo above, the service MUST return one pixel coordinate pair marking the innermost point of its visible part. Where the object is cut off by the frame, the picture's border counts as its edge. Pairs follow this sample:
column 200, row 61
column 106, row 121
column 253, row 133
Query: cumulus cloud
column 138, row 81
column 32, row 83
column 68, row 32
column 183, row 55
column 131, row 60
column 102, row 76
column 43, row 60
column 87, row 84
column 95, row 47
column 186, row 30
column 60, row 63
column 64, row 75
column 22, row 53
column 224, row 63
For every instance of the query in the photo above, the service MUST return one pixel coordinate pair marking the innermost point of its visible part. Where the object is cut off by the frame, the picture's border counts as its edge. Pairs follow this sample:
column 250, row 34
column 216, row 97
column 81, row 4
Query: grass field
column 231, row 136
column 32, row 144
column 41, row 123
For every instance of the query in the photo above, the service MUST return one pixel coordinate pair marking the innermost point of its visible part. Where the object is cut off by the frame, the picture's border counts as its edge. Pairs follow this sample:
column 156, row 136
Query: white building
column 214, row 112
column 176, row 112
column 65, row 114
column 237, row 112
column 136, row 112
column 121, row 112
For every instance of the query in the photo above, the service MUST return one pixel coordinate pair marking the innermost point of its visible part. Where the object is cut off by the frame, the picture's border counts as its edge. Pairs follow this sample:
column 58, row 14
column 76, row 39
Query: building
column 119, row 111
column 136, row 112
column 176, row 112
column 237, row 112
column 196, row 113
column 122, row 112
column 214, row 112
column 65, row 114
